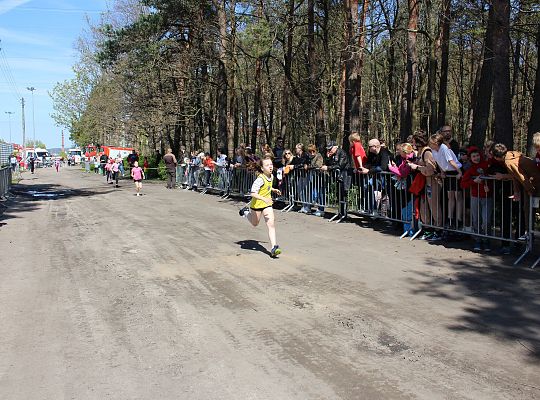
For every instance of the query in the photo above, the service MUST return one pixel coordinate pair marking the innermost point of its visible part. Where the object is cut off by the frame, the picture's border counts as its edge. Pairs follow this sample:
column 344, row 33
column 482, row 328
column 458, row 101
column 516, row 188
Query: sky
column 37, row 49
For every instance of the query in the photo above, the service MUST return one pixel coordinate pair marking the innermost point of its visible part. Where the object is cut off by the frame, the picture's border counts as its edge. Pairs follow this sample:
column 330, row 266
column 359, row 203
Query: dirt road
column 171, row 295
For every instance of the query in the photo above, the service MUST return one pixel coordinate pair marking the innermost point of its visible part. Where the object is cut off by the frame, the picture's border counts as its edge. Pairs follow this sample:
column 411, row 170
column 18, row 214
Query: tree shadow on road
column 27, row 198
column 498, row 300
column 252, row 245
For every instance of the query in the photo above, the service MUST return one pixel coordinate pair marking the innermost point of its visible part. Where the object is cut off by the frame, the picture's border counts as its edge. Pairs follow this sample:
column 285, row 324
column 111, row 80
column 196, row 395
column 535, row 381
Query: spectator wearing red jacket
column 358, row 154
column 208, row 164
column 481, row 198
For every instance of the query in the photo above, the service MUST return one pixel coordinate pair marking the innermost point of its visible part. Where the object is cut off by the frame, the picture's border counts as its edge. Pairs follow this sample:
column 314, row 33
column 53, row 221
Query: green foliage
column 157, row 79
column 37, row 144
column 258, row 38
column 70, row 97
column 162, row 170
column 352, row 198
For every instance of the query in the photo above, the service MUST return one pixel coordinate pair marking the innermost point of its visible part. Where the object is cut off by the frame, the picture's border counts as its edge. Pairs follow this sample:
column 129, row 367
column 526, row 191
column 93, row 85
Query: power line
column 6, row 72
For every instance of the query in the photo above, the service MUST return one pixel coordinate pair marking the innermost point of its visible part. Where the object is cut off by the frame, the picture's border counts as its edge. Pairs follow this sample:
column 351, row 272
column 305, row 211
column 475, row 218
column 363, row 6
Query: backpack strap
column 426, row 149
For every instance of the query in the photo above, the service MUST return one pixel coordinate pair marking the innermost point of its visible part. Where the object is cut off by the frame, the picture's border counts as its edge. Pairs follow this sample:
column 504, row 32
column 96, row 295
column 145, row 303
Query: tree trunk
column 360, row 62
column 322, row 122
column 533, row 125
column 502, row 107
column 222, row 82
column 232, row 115
column 407, row 98
column 256, row 104
column 429, row 117
column 351, row 112
column 445, row 50
column 482, row 107
column 286, row 92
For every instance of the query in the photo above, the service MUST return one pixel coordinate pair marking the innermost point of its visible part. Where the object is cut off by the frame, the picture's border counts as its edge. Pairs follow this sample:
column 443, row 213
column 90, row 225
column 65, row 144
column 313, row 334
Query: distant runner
column 137, row 174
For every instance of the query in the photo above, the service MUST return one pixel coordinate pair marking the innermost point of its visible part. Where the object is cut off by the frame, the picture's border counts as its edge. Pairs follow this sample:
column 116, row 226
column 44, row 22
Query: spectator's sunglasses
column 288, row 153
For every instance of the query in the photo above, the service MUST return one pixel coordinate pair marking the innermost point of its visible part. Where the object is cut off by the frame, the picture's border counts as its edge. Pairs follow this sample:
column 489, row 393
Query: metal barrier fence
column 226, row 181
column 487, row 211
column 5, row 180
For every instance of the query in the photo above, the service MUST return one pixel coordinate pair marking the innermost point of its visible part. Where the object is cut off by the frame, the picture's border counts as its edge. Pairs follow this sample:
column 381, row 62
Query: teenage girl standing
column 261, row 202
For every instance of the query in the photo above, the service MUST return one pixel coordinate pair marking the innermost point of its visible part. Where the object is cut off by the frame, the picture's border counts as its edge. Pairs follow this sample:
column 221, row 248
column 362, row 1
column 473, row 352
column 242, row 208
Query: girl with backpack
column 430, row 208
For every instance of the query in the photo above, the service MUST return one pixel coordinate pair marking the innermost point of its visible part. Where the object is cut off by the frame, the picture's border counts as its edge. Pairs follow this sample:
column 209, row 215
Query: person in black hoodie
column 378, row 160
column 278, row 153
column 103, row 159
column 338, row 160
column 300, row 163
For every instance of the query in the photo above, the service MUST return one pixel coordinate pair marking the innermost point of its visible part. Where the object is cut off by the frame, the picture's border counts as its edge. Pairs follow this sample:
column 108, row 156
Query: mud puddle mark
column 301, row 304
column 373, row 336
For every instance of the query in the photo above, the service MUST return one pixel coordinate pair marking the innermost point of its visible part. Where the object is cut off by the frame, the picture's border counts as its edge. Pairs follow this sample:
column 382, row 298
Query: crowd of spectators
column 448, row 187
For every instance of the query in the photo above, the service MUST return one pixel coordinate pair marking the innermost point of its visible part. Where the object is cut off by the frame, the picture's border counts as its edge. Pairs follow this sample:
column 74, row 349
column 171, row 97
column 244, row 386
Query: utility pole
column 9, row 119
column 31, row 88
column 23, row 125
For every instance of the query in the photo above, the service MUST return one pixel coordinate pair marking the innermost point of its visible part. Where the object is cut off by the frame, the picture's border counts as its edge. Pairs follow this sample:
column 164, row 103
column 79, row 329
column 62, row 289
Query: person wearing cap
column 464, row 158
column 338, row 160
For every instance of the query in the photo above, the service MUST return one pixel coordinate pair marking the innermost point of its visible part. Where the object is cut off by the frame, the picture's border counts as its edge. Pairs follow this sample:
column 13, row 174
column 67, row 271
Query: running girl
column 261, row 202
column 108, row 169
column 115, row 169
column 137, row 174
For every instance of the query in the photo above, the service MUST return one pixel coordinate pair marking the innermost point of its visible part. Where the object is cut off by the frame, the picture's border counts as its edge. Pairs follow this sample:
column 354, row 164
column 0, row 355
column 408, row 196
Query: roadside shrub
column 162, row 171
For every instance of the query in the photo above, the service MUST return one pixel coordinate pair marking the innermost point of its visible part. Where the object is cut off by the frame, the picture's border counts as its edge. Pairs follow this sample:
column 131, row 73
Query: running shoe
column 524, row 237
column 426, row 236
column 435, row 238
column 276, row 251
column 243, row 212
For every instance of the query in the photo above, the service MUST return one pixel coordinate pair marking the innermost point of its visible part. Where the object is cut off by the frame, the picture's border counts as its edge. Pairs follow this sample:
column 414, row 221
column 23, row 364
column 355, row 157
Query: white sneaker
column 524, row 237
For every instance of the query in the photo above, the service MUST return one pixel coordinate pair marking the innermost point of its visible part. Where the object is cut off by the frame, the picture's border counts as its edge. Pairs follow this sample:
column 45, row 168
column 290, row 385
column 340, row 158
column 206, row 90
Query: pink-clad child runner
column 137, row 174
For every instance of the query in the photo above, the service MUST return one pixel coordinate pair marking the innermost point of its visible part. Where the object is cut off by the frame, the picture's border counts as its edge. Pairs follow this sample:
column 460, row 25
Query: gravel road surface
column 171, row 295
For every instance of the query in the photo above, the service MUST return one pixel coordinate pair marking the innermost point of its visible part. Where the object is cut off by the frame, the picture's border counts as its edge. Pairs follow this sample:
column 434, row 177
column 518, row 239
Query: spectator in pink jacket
column 406, row 151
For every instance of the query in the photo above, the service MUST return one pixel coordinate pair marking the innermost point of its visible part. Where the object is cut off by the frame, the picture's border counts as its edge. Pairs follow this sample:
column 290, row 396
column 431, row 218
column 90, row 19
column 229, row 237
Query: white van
column 43, row 158
column 74, row 156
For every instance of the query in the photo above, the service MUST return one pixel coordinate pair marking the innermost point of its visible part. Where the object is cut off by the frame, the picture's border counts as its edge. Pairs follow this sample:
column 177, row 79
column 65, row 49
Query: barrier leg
column 289, row 207
column 418, row 232
column 530, row 237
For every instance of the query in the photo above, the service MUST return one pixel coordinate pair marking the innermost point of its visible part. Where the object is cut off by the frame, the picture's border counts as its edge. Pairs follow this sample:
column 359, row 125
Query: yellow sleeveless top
column 264, row 191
